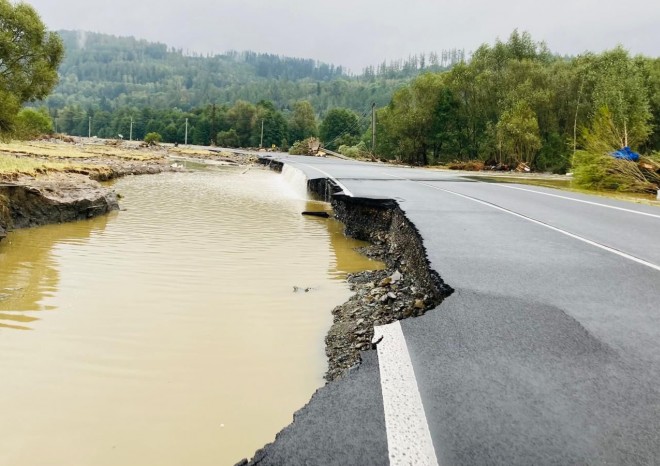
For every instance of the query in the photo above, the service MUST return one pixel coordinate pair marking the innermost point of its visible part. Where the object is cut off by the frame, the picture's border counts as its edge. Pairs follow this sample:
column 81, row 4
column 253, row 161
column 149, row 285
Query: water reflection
column 29, row 271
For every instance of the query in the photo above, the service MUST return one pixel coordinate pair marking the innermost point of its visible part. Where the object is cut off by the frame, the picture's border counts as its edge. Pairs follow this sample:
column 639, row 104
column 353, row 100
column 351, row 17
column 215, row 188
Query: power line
column 353, row 127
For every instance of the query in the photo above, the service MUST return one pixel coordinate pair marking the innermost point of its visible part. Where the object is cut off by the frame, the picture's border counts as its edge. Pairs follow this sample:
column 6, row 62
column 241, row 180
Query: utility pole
column 186, row 139
column 261, row 144
column 214, row 141
column 90, row 127
column 373, row 127
column 130, row 134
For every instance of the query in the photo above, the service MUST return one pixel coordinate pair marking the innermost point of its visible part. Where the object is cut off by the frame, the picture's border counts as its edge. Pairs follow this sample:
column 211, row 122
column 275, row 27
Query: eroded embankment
column 55, row 199
column 71, row 194
column 407, row 288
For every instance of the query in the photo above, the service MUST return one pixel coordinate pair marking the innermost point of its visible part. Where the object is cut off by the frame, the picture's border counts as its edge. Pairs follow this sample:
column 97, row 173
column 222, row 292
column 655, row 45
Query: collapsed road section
column 547, row 352
column 407, row 288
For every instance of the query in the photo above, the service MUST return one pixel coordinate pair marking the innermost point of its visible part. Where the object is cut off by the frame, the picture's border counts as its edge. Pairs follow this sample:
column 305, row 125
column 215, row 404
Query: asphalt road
column 548, row 352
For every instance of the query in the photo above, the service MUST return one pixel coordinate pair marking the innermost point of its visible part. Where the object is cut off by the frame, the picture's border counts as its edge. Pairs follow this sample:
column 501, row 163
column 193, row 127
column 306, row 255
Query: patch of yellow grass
column 73, row 151
column 10, row 165
column 195, row 152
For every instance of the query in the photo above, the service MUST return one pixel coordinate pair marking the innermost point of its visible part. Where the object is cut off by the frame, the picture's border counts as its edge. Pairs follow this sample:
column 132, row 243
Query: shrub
column 601, row 171
column 305, row 147
column 31, row 123
column 299, row 148
column 358, row 151
column 153, row 138
column 229, row 139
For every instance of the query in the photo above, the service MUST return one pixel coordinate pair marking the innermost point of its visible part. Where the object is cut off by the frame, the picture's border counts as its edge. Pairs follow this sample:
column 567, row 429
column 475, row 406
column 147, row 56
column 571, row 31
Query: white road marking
column 538, row 222
column 558, row 230
column 598, row 204
column 408, row 436
column 500, row 185
column 329, row 176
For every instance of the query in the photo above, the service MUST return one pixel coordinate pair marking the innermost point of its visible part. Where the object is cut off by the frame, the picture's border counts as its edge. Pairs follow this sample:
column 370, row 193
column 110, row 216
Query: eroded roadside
column 409, row 287
column 56, row 182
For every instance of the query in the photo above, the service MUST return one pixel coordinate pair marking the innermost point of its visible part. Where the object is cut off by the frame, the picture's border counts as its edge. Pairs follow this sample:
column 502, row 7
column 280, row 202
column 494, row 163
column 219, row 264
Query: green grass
column 569, row 184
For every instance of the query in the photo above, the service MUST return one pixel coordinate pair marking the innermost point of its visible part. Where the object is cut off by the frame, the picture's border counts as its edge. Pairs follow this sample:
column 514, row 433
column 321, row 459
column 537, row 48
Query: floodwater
column 168, row 333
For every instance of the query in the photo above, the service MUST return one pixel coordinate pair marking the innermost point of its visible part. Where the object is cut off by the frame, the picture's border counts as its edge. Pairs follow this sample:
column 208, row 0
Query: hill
column 114, row 80
column 109, row 72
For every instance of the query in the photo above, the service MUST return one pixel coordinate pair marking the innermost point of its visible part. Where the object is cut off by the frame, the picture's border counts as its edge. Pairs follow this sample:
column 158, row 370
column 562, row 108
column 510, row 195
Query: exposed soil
column 72, row 193
column 106, row 169
column 408, row 288
column 226, row 157
column 69, row 194
column 56, row 198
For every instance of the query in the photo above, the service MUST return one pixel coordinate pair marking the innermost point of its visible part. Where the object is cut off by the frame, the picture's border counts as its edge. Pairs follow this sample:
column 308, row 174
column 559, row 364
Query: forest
column 516, row 101
column 115, row 79
column 508, row 103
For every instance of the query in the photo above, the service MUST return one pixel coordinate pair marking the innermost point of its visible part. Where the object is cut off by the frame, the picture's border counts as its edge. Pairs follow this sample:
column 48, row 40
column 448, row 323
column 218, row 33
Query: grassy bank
column 565, row 184
column 71, row 151
column 99, row 160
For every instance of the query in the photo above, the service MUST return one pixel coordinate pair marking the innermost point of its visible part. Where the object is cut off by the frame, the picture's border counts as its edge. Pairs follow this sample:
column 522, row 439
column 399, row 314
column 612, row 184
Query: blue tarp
column 626, row 154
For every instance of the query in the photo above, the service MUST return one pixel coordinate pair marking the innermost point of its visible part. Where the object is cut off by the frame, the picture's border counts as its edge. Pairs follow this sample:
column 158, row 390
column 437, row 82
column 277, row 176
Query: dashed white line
column 408, row 436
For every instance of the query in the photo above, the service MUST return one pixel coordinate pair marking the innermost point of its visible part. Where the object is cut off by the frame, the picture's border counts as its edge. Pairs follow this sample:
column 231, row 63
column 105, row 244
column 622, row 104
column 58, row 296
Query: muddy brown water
column 168, row 333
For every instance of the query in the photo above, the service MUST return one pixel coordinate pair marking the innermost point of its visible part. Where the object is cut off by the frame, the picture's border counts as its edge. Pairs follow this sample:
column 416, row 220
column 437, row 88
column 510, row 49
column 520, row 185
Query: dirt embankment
column 407, row 288
column 53, row 199
column 223, row 157
column 54, row 181
column 46, row 187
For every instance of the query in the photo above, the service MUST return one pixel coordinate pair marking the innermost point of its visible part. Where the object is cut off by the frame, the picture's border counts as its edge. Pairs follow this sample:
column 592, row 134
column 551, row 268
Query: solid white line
column 339, row 183
column 408, row 436
column 538, row 222
column 558, row 230
column 500, row 185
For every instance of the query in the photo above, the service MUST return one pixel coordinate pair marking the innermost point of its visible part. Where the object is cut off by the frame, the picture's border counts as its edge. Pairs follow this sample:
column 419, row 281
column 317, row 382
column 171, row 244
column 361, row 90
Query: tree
column 303, row 121
column 31, row 122
column 274, row 125
column 414, row 119
column 518, row 134
column 619, row 87
column 652, row 78
column 229, row 139
column 170, row 133
column 340, row 126
column 29, row 58
column 241, row 118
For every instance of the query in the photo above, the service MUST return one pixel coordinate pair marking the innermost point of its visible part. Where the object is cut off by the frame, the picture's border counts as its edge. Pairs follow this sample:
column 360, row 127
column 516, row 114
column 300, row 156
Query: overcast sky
column 356, row 33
